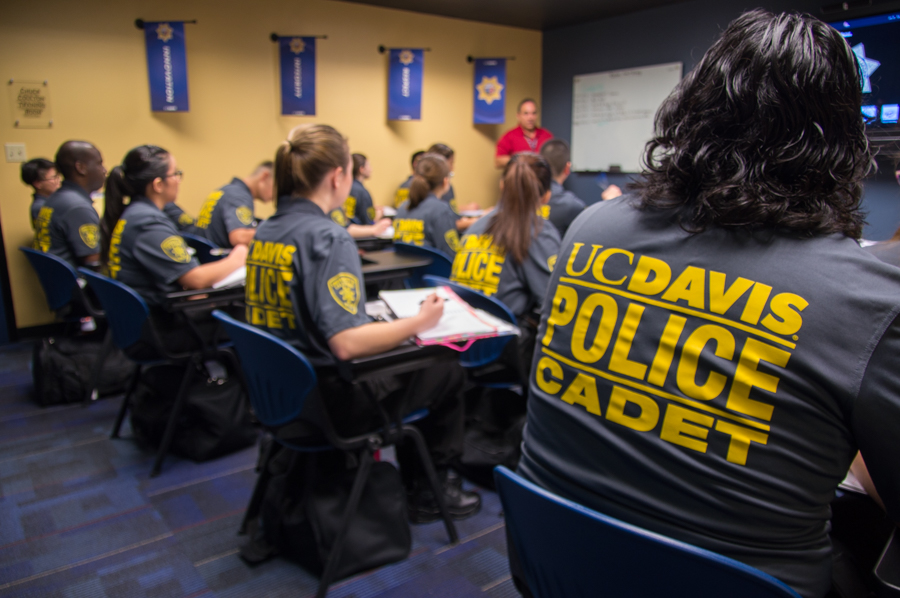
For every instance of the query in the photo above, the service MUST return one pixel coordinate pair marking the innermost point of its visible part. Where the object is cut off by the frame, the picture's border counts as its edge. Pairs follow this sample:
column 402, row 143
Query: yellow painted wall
column 94, row 59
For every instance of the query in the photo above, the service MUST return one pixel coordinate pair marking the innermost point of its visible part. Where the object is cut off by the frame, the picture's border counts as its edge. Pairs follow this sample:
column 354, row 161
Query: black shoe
column 460, row 504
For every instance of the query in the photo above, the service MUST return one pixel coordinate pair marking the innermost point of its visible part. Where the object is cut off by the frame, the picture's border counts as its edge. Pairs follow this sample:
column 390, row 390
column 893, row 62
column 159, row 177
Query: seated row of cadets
column 358, row 215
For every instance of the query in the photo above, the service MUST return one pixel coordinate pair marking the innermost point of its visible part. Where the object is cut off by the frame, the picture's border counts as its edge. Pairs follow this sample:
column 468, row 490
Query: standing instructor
column 527, row 137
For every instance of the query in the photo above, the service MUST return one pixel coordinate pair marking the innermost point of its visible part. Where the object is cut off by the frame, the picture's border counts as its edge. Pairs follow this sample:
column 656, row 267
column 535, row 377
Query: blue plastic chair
column 482, row 355
column 440, row 264
column 205, row 250
column 129, row 316
column 566, row 549
column 280, row 380
column 63, row 290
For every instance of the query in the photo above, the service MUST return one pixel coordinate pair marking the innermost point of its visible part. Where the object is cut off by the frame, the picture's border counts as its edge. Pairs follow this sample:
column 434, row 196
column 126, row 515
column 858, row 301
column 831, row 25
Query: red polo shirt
column 514, row 141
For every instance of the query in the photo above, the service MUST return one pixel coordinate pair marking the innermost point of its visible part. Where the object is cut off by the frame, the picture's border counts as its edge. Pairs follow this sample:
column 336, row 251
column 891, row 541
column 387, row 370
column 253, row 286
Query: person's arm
column 611, row 192
column 241, row 236
column 378, row 337
column 357, row 231
column 859, row 470
column 463, row 223
column 206, row 275
column 90, row 261
column 501, row 161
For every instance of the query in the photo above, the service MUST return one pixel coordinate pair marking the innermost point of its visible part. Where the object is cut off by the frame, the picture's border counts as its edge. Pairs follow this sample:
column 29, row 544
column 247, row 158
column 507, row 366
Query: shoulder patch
column 551, row 262
column 401, row 196
column 244, row 215
column 344, row 289
column 350, row 207
column 453, row 206
column 175, row 249
column 544, row 211
column 185, row 219
column 452, row 238
column 339, row 217
column 370, row 212
column 88, row 234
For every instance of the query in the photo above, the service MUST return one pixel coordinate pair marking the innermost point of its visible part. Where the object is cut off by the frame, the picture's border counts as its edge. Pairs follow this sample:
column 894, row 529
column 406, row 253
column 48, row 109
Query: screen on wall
column 876, row 42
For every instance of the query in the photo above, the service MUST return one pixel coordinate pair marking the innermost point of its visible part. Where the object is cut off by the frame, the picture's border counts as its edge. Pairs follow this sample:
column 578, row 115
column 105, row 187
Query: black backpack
column 62, row 368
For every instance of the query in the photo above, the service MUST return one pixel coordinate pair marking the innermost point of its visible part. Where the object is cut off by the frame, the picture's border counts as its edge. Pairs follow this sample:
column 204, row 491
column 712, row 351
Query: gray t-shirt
column 358, row 207
column 147, row 253
column 68, row 225
column 563, row 207
column 431, row 223
column 301, row 249
column 714, row 387
column 483, row 266
column 225, row 210
column 887, row 251
column 183, row 221
column 37, row 202
column 402, row 193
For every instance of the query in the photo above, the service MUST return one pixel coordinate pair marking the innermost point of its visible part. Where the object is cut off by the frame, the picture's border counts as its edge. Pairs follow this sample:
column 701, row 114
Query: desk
column 386, row 265
column 374, row 243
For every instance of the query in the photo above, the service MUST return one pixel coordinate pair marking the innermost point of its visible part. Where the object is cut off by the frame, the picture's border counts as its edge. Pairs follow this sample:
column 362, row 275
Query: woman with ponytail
column 305, row 285
column 424, row 219
column 510, row 253
column 141, row 246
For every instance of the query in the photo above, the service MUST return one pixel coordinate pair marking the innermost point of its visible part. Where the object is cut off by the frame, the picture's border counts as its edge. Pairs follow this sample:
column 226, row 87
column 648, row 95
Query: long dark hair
column 526, row 179
column 141, row 166
column 765, row 132
column 431, row 170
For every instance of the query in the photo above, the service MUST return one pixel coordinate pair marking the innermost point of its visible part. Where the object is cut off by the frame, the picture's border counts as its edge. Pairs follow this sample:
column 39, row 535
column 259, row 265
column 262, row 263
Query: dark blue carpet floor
column 79, row 516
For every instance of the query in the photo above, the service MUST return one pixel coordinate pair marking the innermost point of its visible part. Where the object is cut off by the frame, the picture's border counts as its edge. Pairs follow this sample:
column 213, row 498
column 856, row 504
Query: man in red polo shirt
column 527, row 137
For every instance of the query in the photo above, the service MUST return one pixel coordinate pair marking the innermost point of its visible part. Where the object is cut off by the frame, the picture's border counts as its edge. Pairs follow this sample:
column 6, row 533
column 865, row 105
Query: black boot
column 423, row 508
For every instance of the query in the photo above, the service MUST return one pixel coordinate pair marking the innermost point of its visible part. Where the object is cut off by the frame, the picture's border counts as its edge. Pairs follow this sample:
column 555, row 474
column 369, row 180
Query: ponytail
column 304, row 159
column 141, row 166
column 431, row 170
column 525, row 181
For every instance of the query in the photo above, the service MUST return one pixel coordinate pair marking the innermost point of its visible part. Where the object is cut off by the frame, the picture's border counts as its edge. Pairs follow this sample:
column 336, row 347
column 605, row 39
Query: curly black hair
column 765, row 132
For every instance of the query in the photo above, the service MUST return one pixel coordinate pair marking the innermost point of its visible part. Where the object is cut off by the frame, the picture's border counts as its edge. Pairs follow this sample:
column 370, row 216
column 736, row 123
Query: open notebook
column 460, row 321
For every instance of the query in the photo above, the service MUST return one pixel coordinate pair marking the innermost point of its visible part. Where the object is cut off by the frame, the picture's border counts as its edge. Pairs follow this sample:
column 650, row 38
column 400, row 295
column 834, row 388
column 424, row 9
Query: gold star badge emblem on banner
column 406, row 57
column 297, row 45
column 164, row 32
column 489, row 89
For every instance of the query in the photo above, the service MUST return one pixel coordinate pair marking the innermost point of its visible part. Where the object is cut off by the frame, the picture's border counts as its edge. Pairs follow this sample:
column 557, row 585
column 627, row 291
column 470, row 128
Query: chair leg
column 422, row 449
column 93, row 392
column 180, row 400
column 259, row 490
column 120, row 417
column 334, row 558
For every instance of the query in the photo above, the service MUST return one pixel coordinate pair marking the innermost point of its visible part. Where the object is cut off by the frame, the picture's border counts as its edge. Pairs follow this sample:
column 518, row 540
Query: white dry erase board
column 613, row 112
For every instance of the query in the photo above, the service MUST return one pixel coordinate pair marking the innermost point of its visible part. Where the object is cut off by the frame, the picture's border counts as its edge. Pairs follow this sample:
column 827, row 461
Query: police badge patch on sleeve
column 244, row 215
column 88, row 234
column 175, row 249
column 344, row 289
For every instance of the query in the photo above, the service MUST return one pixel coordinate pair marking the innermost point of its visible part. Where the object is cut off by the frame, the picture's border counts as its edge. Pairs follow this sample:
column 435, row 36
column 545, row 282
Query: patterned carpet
column 79, row 516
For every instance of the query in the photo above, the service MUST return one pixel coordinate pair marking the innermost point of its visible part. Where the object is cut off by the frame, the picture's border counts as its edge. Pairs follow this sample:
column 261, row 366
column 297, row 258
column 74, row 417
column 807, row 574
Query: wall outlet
column 15, row 152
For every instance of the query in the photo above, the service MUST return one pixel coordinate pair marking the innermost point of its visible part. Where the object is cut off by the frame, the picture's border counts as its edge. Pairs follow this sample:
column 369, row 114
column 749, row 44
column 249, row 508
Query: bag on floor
column 215, row 420
column 62, row 368
column 303, row 508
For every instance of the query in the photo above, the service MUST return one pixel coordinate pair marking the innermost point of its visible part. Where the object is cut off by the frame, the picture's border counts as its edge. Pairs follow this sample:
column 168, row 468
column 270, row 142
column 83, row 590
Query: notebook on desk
column 459, row 322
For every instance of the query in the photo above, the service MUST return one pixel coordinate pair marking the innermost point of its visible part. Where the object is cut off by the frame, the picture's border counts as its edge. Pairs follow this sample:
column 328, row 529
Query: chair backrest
column 566, row 549
column 483, row 351
column 126, row 311
column 202, row 247
column 278, row 376
column 440, row 264
column 57, row 276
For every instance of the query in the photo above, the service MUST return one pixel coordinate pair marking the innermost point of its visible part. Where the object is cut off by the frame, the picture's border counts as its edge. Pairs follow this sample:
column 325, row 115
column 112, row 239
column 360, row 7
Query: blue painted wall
column 682, row 32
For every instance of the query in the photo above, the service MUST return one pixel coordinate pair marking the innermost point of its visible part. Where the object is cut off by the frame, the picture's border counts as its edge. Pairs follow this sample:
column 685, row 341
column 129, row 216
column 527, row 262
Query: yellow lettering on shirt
column 407, row 230
column 267, row 291
column 205, row 217
column 478, row 264
column 114, row 264
column 42, row 229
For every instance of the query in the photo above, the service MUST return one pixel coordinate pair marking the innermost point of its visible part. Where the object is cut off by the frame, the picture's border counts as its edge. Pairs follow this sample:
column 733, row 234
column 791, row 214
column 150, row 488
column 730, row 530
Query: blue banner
column 167, row 66
column 405, row 84
column 297, row 56
column 490, row 91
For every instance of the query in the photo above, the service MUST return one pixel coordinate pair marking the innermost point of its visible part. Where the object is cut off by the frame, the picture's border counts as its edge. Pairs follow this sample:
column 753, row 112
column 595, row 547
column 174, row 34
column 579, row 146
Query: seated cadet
column 183, row 221
column 510, row 253
column 462, row 223
column 67, row 223
column 300, row 249
column 402, row 193
column 423, row 219
column 226, row 217
column 41, row 175
column 359, row 231
column 142, row 247
column 564, row 206
column 358, row 207
column 716, row 347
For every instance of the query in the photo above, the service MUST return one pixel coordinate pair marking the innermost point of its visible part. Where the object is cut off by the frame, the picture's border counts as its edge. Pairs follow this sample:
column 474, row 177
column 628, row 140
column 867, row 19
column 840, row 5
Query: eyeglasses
column 55, row 177
column 178, row 173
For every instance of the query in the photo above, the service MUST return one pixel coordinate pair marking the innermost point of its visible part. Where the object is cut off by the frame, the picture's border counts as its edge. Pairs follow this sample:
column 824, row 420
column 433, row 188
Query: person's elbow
column 342, row 345
column 241, row 236
column 501, row 161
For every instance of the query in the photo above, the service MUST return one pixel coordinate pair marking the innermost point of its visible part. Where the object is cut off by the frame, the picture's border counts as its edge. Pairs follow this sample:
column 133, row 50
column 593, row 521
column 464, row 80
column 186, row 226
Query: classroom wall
column 94, row 59
column 682, row 32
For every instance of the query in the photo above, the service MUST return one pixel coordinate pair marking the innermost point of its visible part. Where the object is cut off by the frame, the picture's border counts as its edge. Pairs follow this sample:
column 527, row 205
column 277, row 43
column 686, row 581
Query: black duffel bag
column 215, row 420
column 62, row 368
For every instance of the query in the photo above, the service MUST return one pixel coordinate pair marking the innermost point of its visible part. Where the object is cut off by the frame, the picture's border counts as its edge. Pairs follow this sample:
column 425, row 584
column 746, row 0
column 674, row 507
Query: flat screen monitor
column 876, row 42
